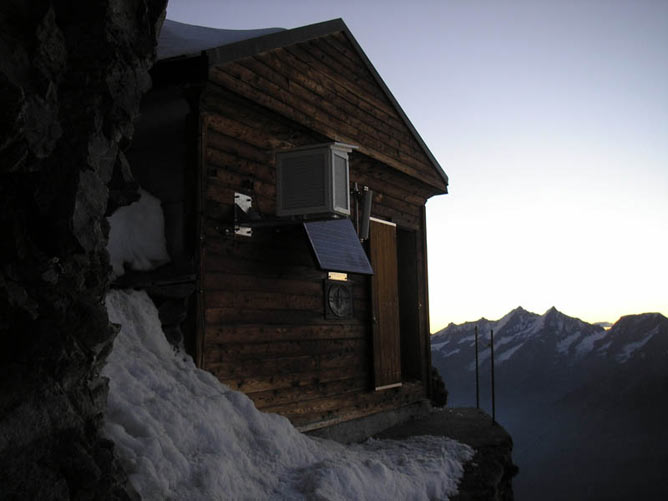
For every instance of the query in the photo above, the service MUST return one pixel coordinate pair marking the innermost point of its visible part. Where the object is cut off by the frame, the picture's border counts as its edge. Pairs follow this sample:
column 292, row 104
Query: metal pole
column 491, row 334
column 477, row 377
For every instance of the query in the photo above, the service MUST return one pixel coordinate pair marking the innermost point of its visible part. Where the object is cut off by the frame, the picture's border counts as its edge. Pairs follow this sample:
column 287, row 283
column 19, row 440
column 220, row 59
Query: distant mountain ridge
column 587, row 407
column 570, row 336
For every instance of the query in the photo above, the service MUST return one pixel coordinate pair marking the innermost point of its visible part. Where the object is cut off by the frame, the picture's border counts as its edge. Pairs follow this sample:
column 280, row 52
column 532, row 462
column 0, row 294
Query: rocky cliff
column 71, row 78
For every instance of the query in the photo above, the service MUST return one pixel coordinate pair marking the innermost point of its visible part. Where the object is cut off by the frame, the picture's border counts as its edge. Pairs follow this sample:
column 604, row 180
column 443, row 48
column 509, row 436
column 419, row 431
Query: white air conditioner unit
column 313, row 181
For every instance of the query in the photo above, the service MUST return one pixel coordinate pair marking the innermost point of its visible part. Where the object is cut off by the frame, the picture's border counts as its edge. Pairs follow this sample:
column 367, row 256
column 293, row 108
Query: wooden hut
column 272, row 314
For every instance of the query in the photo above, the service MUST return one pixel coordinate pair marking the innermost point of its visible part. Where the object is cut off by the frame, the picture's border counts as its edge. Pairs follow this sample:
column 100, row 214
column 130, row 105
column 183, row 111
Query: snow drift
column 181, row 434
column 137, row 236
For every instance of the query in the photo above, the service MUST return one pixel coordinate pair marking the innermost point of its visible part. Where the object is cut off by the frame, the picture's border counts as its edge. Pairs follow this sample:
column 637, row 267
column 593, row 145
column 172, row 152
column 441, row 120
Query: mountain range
column 587, row 406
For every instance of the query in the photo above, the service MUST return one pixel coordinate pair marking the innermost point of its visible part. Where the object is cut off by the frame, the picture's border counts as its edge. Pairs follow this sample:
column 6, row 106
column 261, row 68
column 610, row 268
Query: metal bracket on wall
column 242, row 207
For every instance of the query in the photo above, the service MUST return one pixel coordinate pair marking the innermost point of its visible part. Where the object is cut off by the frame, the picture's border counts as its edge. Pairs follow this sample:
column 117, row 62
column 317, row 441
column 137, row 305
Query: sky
column 550, row 119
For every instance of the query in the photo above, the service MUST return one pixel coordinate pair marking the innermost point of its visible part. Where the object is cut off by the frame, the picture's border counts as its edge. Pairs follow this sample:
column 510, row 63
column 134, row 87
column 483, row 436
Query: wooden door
column 384, row 291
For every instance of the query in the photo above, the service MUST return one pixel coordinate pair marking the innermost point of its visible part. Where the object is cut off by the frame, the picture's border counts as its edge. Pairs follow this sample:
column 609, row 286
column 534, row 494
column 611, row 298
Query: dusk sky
column 550, row 119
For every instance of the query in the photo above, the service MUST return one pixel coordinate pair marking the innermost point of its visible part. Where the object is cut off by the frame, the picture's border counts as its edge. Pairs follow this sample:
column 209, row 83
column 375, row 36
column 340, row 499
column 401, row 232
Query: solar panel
column 337, row 246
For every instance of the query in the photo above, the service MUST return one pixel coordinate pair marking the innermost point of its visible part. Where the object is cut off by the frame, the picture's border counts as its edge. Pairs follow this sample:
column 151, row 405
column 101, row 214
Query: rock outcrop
column 488, row 475
column 71, row 78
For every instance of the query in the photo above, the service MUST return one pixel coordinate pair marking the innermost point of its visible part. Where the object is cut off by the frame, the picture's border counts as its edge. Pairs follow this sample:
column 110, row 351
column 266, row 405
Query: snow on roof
column 180, row 39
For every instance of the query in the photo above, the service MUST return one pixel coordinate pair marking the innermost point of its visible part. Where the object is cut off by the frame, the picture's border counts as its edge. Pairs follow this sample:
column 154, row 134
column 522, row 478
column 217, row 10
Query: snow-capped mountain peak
column 521, row 334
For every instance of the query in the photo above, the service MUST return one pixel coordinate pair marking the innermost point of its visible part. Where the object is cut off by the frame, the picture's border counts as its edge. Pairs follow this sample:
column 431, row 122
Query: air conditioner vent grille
column 341, row 192
column 303, row 181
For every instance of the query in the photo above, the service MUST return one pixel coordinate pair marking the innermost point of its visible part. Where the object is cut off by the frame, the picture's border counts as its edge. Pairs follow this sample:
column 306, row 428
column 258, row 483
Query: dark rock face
column 71, row 77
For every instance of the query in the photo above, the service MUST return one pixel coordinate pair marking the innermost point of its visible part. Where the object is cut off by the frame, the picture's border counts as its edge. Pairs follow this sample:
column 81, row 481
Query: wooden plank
column 357, row 403
column 390, row 180
column 286, row 249
column 314, row 73
column 310, row 89
column 220, row 140
column 278, row 382
column 290, row 134
column 356, row 71
column 280, row 348
column 267, row 94
column 241, row 283
column 259, row 300
column 272, row 398
column 389, row 214
column 328, row 109
column 233, row 316
column 228, row 161
column 225, row 180
column 259, row 333
column 231, row 264
column 286, row 285
column 384, row 290
column 249, row 136
column 298, row 97
column 280, row 366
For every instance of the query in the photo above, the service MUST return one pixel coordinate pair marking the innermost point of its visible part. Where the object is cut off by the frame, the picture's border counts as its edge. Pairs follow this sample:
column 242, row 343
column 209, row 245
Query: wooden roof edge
column 252, row 46
column 437, row 166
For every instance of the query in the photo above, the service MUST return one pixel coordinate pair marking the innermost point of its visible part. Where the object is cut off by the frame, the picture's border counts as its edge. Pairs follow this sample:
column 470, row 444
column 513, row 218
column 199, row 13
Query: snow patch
column 137, row 236
column 507, row 354
column 450, row 353
column 437, row 346
column 630, row 348
column 587, row 344
column 565, row 344
column 467, row 339
column 181, row 434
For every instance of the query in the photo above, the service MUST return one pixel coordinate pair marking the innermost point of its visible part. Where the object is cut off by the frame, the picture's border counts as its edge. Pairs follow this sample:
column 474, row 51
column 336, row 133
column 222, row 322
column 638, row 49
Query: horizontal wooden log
column 233, row 316
column 237, row 369
column 305, row 411
column 407, row 221
column 355, row 71
column 261, row 333
column 290, row 134
column 230, row 264
column 388, row 180
column 235, row 352
column 259, row 300
column 298, row 98
column 242, row 283
column 290, row 250
column 225, row 179
column 253, row 383
column 316, row 72
column 286, row 396
column 228, row 140
column 254, row 87
column 216, row 281
column 261, row 80
column 310, row 89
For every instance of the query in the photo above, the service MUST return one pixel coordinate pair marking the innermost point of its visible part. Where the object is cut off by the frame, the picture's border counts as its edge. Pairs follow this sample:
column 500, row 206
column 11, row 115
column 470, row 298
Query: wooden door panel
column 384, row 289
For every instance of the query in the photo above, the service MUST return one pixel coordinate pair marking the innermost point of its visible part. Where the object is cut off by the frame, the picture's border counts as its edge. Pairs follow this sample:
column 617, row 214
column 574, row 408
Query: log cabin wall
column 262, row 327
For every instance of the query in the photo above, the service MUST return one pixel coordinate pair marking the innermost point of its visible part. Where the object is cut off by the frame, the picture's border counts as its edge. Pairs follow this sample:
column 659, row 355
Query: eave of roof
column 180, row 40
column 282, row 38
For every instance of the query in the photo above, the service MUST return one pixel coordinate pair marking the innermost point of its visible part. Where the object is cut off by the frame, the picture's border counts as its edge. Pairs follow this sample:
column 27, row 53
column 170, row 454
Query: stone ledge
column 488, row 476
